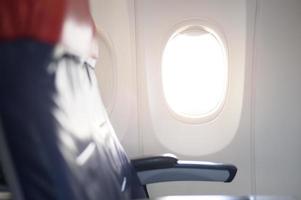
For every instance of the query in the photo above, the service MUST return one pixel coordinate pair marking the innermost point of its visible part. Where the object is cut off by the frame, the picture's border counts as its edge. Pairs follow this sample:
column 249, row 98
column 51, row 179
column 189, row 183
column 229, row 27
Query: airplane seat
column 56, row 140
column 3, row 184
column 60, row 140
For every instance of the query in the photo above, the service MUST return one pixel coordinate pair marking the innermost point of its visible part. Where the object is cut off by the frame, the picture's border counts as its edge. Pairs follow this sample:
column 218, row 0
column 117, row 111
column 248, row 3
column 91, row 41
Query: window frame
column 217, row 32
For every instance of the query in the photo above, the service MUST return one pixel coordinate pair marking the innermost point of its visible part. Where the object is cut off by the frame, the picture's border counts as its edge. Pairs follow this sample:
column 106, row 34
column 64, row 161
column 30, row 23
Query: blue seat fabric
column 61, row 142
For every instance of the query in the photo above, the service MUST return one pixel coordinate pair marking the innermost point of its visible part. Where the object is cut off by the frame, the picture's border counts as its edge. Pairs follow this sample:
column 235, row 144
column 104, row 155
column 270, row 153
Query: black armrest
column 155, row 162
column 169, row 168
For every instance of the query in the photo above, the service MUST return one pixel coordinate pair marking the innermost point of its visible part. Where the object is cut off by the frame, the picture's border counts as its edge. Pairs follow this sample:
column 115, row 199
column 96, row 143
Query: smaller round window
column 194, row 72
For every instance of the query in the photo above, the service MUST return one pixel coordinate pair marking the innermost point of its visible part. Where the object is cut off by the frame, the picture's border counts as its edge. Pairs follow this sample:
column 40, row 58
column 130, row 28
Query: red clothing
column 52, row 21
column 36, row 19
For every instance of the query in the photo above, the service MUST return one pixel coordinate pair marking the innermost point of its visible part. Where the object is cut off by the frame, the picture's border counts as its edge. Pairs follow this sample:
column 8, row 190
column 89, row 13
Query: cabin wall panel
column 277, row 99
column 153, row 21
column 114, row 21
column 267, row 143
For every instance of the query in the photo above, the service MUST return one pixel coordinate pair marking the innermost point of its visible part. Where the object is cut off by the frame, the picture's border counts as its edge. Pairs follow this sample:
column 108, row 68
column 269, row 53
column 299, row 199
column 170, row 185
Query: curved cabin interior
column 150, row 99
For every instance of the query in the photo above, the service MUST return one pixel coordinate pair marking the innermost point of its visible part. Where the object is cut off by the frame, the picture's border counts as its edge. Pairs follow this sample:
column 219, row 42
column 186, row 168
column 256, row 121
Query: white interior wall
column 153, row 20
column 277, row 83
column 112, row 18
column 269, row 140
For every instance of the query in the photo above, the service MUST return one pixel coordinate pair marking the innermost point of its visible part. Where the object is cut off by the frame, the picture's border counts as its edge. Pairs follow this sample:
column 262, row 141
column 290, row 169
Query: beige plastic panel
column 155, row 22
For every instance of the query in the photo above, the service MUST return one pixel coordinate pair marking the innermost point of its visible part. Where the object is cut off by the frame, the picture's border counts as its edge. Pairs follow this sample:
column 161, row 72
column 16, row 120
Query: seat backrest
column 57, row 141
column 58, row 135
column 2, row 179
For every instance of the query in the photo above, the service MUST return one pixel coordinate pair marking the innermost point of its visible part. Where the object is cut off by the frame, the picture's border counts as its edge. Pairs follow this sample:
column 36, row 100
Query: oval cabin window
column 194, row 73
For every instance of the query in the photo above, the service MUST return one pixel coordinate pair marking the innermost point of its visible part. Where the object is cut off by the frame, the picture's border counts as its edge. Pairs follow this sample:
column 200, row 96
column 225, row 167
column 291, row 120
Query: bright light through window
column 194, row 73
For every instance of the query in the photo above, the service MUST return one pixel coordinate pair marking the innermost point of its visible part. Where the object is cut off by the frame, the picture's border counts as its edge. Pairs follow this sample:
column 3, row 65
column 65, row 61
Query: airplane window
column 194, row 73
